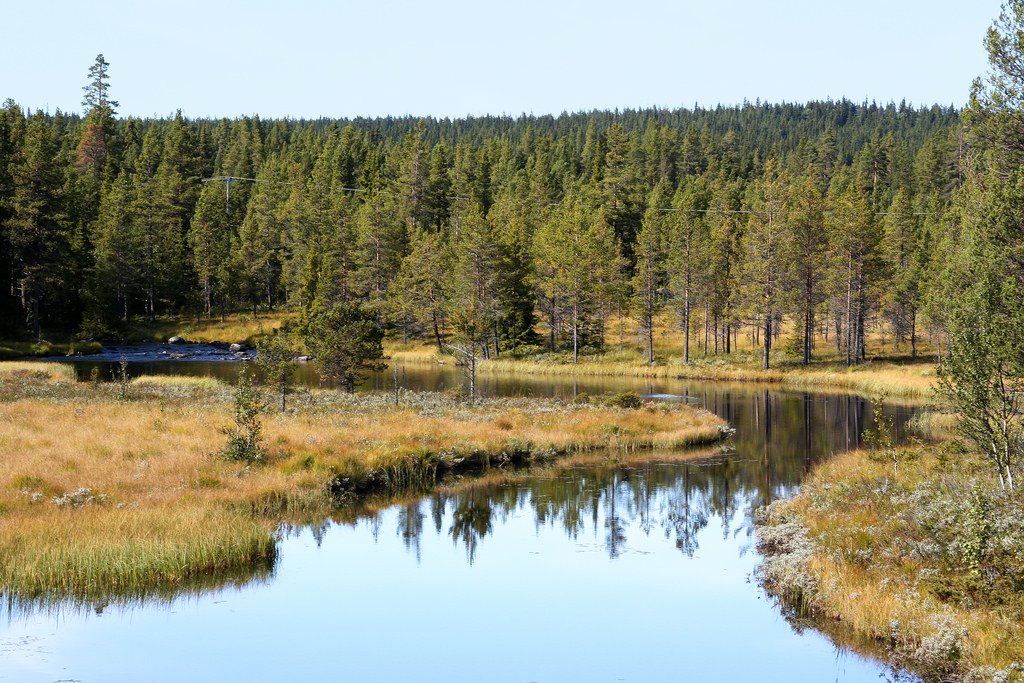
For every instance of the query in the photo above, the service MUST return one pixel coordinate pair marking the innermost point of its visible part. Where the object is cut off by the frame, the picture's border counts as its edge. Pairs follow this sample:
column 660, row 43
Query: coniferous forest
column 799, row 224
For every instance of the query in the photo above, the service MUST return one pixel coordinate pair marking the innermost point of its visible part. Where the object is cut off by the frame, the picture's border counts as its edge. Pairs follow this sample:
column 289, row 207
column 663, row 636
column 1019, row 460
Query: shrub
column 628, row 399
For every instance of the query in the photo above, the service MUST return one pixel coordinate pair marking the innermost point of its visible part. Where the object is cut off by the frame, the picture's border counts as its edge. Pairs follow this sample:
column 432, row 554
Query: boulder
column 176, row 340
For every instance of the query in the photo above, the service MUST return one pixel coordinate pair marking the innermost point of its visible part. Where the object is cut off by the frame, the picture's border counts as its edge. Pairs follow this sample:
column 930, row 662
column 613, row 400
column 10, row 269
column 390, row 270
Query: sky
column 457, row 58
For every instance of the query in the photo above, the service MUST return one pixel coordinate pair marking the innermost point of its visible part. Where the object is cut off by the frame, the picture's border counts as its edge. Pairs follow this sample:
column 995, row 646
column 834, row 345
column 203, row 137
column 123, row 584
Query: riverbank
column 113, row 486
column 905, row 379
column 918, row 550
column 884, row 371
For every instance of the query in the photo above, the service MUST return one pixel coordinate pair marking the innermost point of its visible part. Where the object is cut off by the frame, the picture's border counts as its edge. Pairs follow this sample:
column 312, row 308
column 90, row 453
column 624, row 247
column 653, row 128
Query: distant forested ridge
column 829, row 216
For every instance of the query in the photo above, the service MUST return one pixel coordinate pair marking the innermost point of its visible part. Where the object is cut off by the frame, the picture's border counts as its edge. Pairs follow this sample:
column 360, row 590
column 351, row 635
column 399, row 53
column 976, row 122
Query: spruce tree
column 34, row 231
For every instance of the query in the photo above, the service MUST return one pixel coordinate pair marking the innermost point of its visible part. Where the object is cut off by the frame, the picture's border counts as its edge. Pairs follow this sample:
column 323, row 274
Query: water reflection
column 641, row 565
column 779, row 438
column 196, row 588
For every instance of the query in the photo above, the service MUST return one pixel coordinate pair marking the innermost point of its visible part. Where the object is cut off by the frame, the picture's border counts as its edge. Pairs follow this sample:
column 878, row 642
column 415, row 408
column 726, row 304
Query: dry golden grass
column 179, row 381
column 237, row 327
column 900, row 377
column 54, row 372
column 888, row 549
column 134, row 490
column 911, row 380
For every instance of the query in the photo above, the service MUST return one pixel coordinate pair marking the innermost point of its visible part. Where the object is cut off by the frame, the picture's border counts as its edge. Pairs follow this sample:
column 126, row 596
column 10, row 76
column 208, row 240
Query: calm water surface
column 590, row 574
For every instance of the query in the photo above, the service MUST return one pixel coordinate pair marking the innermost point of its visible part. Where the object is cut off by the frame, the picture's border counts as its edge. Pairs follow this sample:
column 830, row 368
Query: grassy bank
column 99, row 492
column 922, row 555
column 897, row 378
column 885, row 371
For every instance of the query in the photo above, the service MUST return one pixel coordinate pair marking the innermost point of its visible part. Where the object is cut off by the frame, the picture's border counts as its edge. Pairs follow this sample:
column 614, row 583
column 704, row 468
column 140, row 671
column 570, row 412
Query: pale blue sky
column 312, row 58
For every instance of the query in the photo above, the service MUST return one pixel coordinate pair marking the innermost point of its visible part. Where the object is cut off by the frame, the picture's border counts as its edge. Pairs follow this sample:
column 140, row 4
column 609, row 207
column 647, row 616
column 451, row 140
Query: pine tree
column 477, row 282
column 439, row 188
column 650, row 275
column 724, row 232
column 261, row 245
column 856, row 265
column 413, row 181
column 763, row 266
column 419, row 292
column 345, row 341
column 903, row 250
column 578, row 265
column 12, row 124
column 381, row 243
column 100, row 127
column 173, row 201
column 807, row 255
column 687, row 254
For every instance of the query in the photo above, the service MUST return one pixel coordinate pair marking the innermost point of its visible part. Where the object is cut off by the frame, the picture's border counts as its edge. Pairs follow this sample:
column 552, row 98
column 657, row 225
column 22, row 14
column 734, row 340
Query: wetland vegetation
column 915, row 549
column 107, row 486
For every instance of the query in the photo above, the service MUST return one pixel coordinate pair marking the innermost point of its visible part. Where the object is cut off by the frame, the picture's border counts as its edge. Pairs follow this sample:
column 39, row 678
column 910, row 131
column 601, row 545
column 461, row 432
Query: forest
column 795, row 225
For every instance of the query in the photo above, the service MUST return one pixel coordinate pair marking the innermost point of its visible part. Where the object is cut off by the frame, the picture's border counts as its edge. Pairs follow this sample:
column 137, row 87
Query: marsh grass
column 54, row 372
column 898, row 376
column 179, row 381
column 103, row 549
column 926, row 562
column 98, row 493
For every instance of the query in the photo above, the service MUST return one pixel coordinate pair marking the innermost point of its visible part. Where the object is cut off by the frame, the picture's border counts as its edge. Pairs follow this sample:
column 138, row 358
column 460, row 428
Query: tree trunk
column 437, row 333
column 686, row 327
column 552, row 325
column 913, row 334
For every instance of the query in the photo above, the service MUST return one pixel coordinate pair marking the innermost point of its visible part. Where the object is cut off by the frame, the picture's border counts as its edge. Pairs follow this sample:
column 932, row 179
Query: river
column 592, row 573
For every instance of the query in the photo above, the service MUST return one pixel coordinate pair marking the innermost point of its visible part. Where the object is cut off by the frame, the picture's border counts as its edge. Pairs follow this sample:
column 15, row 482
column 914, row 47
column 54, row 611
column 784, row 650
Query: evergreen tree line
column 830, row 216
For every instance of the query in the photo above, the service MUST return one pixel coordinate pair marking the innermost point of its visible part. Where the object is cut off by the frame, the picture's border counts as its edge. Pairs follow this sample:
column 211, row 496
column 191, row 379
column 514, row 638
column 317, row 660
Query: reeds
column 100, row 547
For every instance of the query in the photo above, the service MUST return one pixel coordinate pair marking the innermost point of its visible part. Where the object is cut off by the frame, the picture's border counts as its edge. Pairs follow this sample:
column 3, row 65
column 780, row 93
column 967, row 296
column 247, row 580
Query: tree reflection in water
column 677, row 498
column 471, row 521
column 779, row 437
